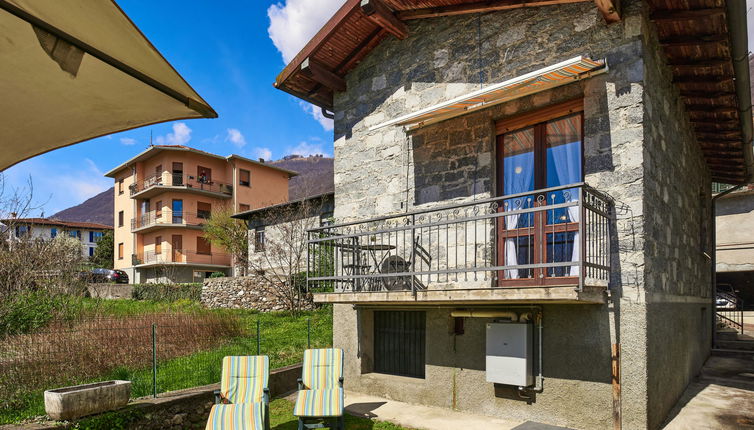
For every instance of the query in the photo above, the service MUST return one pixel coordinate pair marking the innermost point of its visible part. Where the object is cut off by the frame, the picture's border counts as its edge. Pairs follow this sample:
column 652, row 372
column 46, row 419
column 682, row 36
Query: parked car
column 104, row 276
column 726, row 297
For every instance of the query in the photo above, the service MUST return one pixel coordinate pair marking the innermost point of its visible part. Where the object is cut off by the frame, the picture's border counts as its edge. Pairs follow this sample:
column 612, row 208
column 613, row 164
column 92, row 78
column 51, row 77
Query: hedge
column 167, row 292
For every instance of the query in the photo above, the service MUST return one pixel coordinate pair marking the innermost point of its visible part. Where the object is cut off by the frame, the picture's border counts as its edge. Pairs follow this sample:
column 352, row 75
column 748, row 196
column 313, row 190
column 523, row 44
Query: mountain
column 315, row 175
column 98, row 209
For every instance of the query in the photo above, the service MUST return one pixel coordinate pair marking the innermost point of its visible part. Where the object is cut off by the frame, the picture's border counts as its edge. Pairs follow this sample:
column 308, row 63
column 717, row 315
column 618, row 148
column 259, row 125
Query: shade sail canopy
column 530, row 83
column 78, row 69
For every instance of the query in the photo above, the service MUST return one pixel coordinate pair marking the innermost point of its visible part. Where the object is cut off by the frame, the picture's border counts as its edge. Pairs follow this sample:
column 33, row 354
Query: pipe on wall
column 481, row 313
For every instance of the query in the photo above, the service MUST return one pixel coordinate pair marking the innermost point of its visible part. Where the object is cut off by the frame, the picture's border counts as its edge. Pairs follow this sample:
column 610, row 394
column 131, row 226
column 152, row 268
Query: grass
column 283, row 338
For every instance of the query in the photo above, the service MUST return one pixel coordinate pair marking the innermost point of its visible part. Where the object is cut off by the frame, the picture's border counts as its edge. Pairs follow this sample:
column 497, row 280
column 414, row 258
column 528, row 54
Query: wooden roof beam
column 477, row 7
column 609, row 10
column 685, row 15
column 691, row 41
column 319, row 73
column 380, row 14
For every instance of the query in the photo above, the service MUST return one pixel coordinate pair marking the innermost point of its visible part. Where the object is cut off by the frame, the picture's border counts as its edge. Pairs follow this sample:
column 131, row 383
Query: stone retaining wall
column 110, row 291
column 183, row 409
column 240, row 292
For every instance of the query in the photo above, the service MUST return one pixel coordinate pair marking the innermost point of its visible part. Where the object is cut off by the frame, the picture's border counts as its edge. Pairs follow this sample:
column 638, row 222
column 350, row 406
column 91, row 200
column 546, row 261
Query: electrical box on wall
column 509, row 354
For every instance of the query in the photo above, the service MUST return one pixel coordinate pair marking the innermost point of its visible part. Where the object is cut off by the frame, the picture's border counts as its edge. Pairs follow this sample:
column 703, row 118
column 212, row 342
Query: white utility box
column 509, row 354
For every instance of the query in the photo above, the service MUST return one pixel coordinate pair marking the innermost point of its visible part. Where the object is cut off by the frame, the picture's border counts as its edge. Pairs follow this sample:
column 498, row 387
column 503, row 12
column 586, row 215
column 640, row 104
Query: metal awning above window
column 539, row 80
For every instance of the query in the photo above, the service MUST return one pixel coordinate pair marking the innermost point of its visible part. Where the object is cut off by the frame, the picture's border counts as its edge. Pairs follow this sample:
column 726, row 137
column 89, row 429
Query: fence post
column 259, row 346
column 154, row 360
column 308, row 333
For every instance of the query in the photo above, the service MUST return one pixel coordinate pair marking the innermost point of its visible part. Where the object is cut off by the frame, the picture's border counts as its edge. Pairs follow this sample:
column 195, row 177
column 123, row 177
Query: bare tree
column 230, row 234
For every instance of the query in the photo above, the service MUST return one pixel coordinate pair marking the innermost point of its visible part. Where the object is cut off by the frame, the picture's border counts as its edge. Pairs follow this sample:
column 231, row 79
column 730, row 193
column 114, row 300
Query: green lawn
column 282, row 337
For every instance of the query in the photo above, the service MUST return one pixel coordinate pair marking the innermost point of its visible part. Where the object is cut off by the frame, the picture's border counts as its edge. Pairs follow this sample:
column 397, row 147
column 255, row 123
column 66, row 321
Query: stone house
column 522, row 198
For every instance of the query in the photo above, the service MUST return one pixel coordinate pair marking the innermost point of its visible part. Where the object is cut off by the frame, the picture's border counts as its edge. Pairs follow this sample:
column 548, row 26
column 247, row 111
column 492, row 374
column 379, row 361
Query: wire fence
column 157, row 353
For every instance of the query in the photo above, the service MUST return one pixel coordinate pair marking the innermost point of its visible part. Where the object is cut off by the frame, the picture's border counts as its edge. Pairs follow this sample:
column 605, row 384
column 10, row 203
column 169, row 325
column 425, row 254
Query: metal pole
column 309, row 333
column 259, row 346
column 154, row 360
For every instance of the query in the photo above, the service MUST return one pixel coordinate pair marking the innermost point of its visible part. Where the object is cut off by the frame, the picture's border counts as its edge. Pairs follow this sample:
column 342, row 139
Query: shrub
column 30, row 311
column 217, row 275
column 167, row 292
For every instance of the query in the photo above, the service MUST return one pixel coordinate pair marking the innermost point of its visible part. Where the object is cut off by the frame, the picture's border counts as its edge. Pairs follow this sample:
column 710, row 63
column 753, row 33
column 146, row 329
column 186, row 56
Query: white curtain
column 519, row 178
column 567, row 161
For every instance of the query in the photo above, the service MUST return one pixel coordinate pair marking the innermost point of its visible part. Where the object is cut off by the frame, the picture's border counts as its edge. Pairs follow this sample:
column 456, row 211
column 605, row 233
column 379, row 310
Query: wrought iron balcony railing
column 181, row 180
column 550, row 237
column 153, row 218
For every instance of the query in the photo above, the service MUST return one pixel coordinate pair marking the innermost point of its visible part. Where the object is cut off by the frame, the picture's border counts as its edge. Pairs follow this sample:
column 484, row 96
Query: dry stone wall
column 240, row 292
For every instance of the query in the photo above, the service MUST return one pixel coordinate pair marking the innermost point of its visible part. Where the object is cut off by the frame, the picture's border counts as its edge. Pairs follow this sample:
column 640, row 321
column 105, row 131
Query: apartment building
column 164, row 195
column 45, row 228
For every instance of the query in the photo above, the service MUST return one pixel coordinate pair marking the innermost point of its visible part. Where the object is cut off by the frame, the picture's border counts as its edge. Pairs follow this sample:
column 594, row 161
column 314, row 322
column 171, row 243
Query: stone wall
column 240, row 292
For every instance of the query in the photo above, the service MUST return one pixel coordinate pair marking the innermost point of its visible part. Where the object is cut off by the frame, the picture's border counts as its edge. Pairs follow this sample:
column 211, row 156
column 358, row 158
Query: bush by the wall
column 167, row 292
column 29, row 311
column 217, row 275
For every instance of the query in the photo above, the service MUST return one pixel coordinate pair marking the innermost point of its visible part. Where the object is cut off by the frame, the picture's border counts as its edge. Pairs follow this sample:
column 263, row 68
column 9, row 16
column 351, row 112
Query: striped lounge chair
column 244, row 397
column 320, row 395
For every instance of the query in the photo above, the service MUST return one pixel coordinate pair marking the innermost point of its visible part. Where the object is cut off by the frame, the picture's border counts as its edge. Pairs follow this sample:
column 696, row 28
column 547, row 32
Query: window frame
column 240, row 178
column 259, row 239
column 120, row 251
column 120, row 186
column 121, row 218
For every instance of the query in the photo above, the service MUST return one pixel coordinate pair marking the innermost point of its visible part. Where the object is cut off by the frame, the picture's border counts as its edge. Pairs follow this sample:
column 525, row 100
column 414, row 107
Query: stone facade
column 240, row 292
column 638, row 148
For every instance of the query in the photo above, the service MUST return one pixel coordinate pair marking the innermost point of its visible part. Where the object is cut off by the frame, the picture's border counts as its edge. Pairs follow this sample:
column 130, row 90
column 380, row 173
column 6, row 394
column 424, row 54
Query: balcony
column 155, row 184
column 180, row 257
column 545, row 246
column 155, row 220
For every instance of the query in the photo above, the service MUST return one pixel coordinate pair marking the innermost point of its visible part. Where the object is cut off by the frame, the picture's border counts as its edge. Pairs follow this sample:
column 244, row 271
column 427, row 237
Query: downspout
column 713, row 260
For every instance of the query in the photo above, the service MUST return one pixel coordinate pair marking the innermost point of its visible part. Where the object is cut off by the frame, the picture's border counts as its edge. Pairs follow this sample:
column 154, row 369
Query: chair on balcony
column 397, row 264
column 243, row 400
column 320, row 396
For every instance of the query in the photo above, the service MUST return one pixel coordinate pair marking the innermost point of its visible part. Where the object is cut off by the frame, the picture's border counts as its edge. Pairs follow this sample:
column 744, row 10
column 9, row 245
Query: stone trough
column 81, row 400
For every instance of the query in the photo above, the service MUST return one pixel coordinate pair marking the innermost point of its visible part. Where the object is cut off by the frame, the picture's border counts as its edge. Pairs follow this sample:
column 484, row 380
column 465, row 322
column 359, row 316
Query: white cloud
column 181, row 135
column 235, row 137
column 306, row 148
column 294, row 22
column 316, row 112
column 127, row 141
column 265, row 153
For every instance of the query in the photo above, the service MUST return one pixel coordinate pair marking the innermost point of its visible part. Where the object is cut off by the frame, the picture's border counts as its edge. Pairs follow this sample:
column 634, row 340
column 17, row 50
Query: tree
column 230, row 234
column 104, row 254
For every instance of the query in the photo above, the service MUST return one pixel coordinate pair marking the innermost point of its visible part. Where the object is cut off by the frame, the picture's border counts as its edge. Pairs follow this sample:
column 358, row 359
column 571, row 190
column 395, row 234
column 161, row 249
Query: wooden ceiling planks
column 695, row 39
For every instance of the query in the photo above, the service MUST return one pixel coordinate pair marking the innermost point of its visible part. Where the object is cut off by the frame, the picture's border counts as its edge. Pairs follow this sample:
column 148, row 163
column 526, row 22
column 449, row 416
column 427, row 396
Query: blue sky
column 230, row 52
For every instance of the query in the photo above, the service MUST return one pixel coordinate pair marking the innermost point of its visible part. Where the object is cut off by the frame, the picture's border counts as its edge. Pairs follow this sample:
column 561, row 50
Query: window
column 177, row 207
column 120, row 251
column 399, row 343
column 203, row 246
column 158, row 209
column 75, row 234
column 177, row 174
column 158, row 245
column 120, row 219
column 91, row 251
column 244, row 178
column 326, row 219
column 158, row 171
column 243, row 207
column 536, row 151
column 203, row 210
column 53, row 232
column 203, row 175
column 22, row 230
column 120, row 187
column 95, row 236
column 259, row 239
column 703, row 220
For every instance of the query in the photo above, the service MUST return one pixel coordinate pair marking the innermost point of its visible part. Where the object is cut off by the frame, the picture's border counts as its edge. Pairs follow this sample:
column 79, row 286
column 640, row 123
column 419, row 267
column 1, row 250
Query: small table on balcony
column 360, row 267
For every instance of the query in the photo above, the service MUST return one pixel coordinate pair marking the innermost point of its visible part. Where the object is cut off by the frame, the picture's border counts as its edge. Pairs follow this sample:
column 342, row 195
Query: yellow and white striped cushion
column 244, row 378
column 243, row 416
column 319, row 403
column 322, row 368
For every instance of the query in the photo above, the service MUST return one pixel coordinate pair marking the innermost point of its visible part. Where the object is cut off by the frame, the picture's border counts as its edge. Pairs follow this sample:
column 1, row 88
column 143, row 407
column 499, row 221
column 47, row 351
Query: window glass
column 120, row 219
column 53, row 232
column 244, row 177
column 177, row 208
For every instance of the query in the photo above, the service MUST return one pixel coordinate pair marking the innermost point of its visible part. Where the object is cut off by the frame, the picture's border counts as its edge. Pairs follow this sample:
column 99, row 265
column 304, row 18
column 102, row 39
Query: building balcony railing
column 180, row 256
column 555, row 237
column 169, row 218
column 183, row 181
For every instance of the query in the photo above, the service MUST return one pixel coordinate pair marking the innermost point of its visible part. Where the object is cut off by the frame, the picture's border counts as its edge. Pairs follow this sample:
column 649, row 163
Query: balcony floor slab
column 502, row 295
